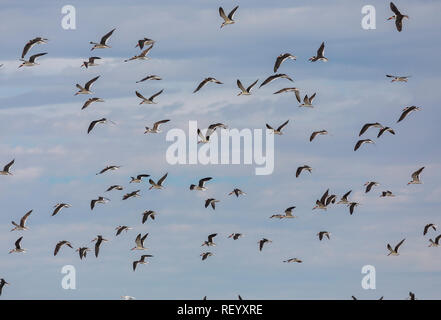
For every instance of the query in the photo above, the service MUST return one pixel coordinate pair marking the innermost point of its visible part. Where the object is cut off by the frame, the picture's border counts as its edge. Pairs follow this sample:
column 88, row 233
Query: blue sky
column 44, row 129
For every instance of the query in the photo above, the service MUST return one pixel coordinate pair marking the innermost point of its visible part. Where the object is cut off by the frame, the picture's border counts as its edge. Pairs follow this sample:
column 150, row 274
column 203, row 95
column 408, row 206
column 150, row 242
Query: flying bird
column 247, row 91
column 60, row 206
column 398, row 17
column 120, row 229
column 307, row 101
column 344, row 199
column 227, row 19
column 281, row 58
column 142, row 55
column 18, row 247
column 416, row 177
column 205, row 255
column 237, row 192
column 369, row 125
column 394, row 251
column 140, row 242
column 2, row 284
column 158, row 185
column 99, row 240
column 138, row 178
column 141, row 261
column 398, row 78
column 144, row 42
column 115, row 187
column 428, row 226
column 436, row 242
column 201, row 184
column 108, row 168
column 212, row 202
column 235, row 236
column 322, row 234
column 274, row 77
column 293, row 260
column 407, row 111
column 60, row 244
column 131, row 195
column 86, row 89
column 149, row 77
column 352, row 206
column 319, row 56
column 82, row 251
column 6, row 168
column 369, row 185
column 300, row 169
column 322, row 202
column 31, row 43
column 290, row 89
column 262, row 242
column 99, row 200
column 385, row 129
column 90, row 62
column 205, row 81
column 279, row 129
column 31, row 62
column 156, row 126
column 95, row 122
column 315, row 133
column 21, row 226
column 387, row 194
column 148, row 213
column 149, row 100
column 361, row 142
column 209, row 242
column 90, row 101
column 103, row 42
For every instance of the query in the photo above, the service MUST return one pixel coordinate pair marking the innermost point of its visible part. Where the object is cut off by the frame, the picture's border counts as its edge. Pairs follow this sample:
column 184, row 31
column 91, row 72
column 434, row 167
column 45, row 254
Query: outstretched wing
column 106, row 36
column 230, row 15
column 89, row 83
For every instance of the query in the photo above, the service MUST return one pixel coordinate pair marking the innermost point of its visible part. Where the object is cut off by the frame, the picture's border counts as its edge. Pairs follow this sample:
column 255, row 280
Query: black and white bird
column 262, row 242
column 322, row 234
column 279, row 129
column 290, row 89
column 90, row 62
column 227, row 19
column 6, row 168
column 149, row 77
column 132, row 194
column 98, row 241
column 237, row 192
column 141, row 56
column 416, row 177
column 385, row 129
column 315, row 133
column 369, row 125
column 398, row 78
column 60, row 244
column 148, row 213
column 86, row 88
column 386, row 194
column 60, row 206
column 212, row 202
column 205, row 81
column 247, row 91
column 82, row 251
column 323, row 202
column 288, row 212
column 155, row 128
column 18, row 247
column 31, row 62
column 138, row 178
column 120, row 229
column 235, row 236
column 31, row 43
column 158, row 185
column 307, row 101
column 115, row 187
column 407, row 111
column 300, row 169
column 352, row 206
column 144, row 42
column 2, row 284
column 149, row 100
column 398, row 17
column 344, row 199
column 21, row 226
column 411, row 296
column 282, row 58
column 98, row 121
column 108, row 168
column 103, row 42
column 361, row 142
column 209, row 242
column 140, row 242
column 291, row 260
column 274, row 77
column 320, row 54
column 369, row 185
column 90, row 101
column 205, row 255
column 394, row 251
column 428, row 226
column 141, row 260
column 201, row 184
column 436, row 242
column 99, row 200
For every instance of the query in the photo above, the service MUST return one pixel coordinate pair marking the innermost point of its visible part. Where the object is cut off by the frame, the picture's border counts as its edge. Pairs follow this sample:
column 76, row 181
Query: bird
column 288, row 212
column 352, row 206
column 131, row 195
column 239, row 297
column 407, row 111
column 411, row 296
column 211, row 128
column 149, row 100
column 2, row 284
column 99, row 200
column 205, row 81
column 31, row 62
column 6, row 168
column 90, row 101
column 95, row 122
column 140, row 242
column 205, row 255
column 398, row 78
column 315, row 133
column 369, row 125
column 279, row 129
column 60, row 206
column 120, row 229
column 156, row 126
column 86, row 88
column 201, row 184
column 321, row 203
column 90, row 62
column 344, row 199
column 138, row 178
column 60, row 244
column 108, row 168
column 18, row 248
column 235, row 236
column 128, row 298
column 209, row 242
column 31, row 43
column 141, row 260
column 385, row 129
column 436, row 242
column 227, row 19
column 293, row 260
column 149, row 77
column 274, row 77
column 99, row 240
column 300, row 169
column 322, row 234
column 331, row 199
column 307, row 101
column 158, row 185
column 262, row 242
column 394, row 251
column 114, row 187
column 361, row 142
column 281, row 58
column 21, row 226
column 237, row 192
column 278, row 216
column 369, row 185
column 212, row 202
column 82, row 251
column 142, row 55
column 148, row 213
column 398, row 17
column 103, row 42
column 428, row 226
column 247, row 91
column 319, row 56
column 387, row 194
column 290, row 89
column 144, row 42
column 416, row 177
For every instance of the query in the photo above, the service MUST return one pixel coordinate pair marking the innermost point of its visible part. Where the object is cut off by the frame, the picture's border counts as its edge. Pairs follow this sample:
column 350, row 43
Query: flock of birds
column 327, row 199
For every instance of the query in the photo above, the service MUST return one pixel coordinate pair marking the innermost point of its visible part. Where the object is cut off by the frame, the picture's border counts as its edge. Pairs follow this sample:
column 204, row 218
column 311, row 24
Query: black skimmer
column 279, row 129
column 86, row 89
column 103, row 42
column 149, row 100
column 144, row 42
column 322, row 203
column 142, row 55
column 293, row 260
column 262, row 242
column 60, row 244
column 148, row 213
column 149, row 77
column 60, row 206
column 201, row 184
column 281, row 58
column 436, row 242
column 18, row 247
column 407, row 111
column 99, row 200
column 90, row 101
column 227, row 19
column 416, row 176
column 274, row 77
column 138, row 178
column 237, row 192
column 315, row 133
column 120, row 229
column 307, row 101
column 6, row 168
column 361, row 142
column 247, row 91
column 90, row 62
column 300, row 169
column 158, row 185
column 140, row 242
column 82, row 251
column 205, row 255
column 212, row 202
column 2, row 284
column 352, row 206
column 131, row 195
column 319, row 56
column 291, row 89
column 109, row 168
column 114, row 187
column 369, row 185
column 344, row 199
column 322, row 234
column 387, row 194
column 155, row 128
column 21, row 226
column 141, row 260
column 31, row 62
column 369, row 125
column 394, row 251
column 385, row 129
column 428, row 226
column 95, row 122
column 205, row 81
column 398, row 17
column 31, row 43
column 398, row 78
column 209, row 242
column 235, row 236
column 99, row 240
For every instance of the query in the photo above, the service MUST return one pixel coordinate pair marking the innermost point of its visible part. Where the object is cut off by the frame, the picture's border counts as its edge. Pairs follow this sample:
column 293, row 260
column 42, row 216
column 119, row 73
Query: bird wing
column 203, row 180
column 28, row 45
column 269, row 127
column 140, row 176
column 395, row 9
column 299, row 171
column 404, row 114
column 358, row 144
column 364, row 128
column 160, row 181
column 211, row 236
column 299, row 99
column 324, row 196
column 437, row 239
column 106, row 36
column 312, row 97
column 278, row 62
column 321, row 50
column 230, row 15
column 57, row 247
column 6, row 168
column 144, row 53
column 313, row 135
column 345, row 196
column 399, row 23
column 252, row 85
column 138, row 240
column 23, row 219
column 416, row 174
column 203, row 82
column 261, row 242
column 268, row 80
column 282, row 125
column 140, row 95
column 92, row 125
column 239, row 84
column 35, row 56
column 399, row 244
column 222, row 13
column 158, row 123
column 17, row 243
column 89, row 83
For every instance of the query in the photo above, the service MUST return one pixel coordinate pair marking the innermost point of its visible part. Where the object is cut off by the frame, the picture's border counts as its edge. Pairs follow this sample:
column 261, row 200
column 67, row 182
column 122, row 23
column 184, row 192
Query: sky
column 44, row 129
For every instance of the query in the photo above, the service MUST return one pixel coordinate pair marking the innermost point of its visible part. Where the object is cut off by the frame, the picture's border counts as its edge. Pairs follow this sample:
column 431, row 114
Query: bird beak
column 391, row 18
